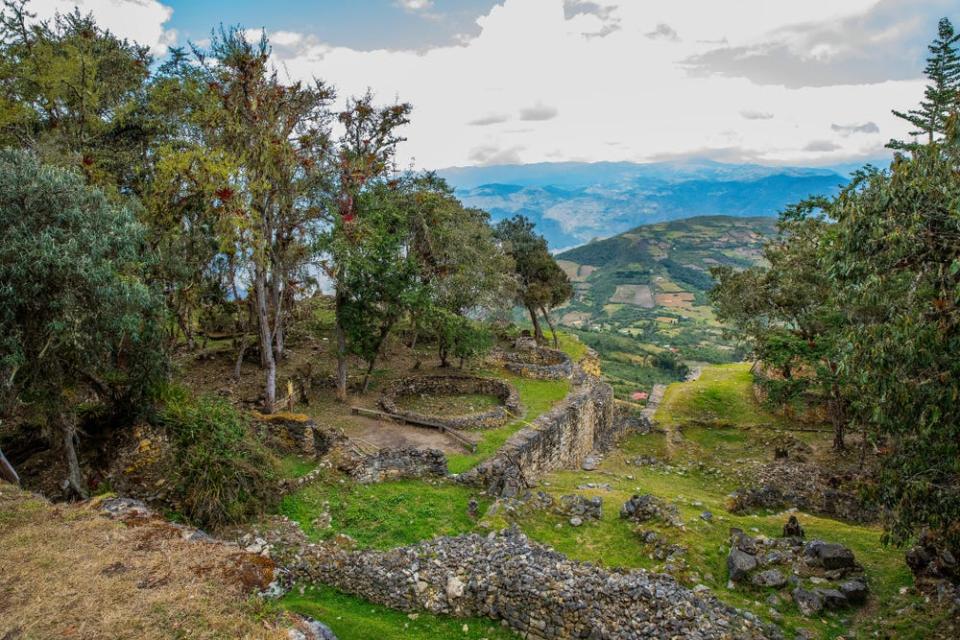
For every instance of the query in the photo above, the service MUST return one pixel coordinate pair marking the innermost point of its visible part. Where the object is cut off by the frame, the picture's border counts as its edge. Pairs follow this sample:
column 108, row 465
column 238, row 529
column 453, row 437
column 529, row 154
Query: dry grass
column 68, row 572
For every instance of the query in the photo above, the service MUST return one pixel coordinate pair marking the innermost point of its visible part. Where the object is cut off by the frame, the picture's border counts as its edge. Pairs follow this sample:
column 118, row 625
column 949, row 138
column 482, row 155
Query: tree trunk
column 553, row 330
column 341, row 351
column 238, row 363
column 537, row 330
column 68, row 440
column 184, row 324
column 7, row 472
column 266, row 342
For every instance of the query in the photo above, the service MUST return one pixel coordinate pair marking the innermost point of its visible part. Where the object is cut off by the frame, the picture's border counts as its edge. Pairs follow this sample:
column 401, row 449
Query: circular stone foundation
column 509, row 400
column 536, row 362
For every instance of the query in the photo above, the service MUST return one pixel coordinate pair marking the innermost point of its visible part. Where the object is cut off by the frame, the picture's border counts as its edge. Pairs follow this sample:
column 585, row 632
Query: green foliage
column 541, row 283
column 942, row 96
column 354, row 619
column 75, row 314
column 74, row 93
column 222, row 472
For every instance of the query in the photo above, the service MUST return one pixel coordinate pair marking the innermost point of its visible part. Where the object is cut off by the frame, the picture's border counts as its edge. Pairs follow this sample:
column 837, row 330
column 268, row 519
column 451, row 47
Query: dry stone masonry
column 535, row 591
column 455, row 385
column 561, row 438
column 530, row 360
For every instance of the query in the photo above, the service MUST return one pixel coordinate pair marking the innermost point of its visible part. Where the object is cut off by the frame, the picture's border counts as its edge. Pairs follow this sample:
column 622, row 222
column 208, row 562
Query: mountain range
column 573, row 203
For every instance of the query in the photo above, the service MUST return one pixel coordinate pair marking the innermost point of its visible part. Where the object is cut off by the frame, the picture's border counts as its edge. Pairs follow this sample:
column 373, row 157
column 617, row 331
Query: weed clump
column 223, row 473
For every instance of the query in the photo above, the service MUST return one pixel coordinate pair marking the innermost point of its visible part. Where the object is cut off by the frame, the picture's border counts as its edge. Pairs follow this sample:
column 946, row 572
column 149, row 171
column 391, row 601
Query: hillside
column 574, row 203
column 642, row 294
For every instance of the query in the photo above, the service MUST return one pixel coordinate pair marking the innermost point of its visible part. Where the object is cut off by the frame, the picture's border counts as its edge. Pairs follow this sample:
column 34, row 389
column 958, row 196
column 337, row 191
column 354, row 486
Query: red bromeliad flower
column 224, row 193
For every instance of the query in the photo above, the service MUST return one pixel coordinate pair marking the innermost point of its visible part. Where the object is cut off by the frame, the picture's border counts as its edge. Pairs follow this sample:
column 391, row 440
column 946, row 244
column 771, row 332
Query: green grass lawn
column 386, row 514
column 537, row 396
column 722, row 394
column 352, row 618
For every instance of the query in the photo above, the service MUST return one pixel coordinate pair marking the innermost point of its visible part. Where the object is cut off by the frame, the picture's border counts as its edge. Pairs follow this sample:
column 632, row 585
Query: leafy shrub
column 223, row 473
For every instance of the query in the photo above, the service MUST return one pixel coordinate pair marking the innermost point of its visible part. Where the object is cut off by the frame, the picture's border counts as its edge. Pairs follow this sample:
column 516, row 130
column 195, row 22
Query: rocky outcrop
column 455, row 385
column 785, row 484
column 534, row 590
column 561, row 438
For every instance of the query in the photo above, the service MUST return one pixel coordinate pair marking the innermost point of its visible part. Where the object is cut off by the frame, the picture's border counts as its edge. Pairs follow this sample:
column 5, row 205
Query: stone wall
column 455, row 385
column 540, row 363
column 392, row 464
column 534, row 590
column 561, row 438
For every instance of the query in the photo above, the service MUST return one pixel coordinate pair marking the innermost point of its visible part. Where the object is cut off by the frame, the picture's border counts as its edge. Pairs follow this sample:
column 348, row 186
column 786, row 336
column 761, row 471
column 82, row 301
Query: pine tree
column 942, row 95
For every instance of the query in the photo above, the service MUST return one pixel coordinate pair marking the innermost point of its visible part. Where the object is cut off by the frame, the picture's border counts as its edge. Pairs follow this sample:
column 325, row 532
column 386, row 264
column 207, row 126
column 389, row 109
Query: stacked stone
column 394, row 464
column 455, row 385
column 561, row 438
column 532, row 361
column 535, row 591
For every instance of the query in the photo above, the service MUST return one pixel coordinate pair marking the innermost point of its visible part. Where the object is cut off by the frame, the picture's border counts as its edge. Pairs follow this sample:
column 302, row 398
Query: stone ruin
column 818, row 575
column 537, row 592
column 498, row 416
column 530, row 360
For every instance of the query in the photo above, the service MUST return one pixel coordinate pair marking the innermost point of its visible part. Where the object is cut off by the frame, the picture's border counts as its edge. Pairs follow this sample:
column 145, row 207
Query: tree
column 74, row 93
column 77, row 321
column 789, row 313
column 270, row 148
column 942, row 95
column 363, row 154
column 541, row 283
column 895, row 258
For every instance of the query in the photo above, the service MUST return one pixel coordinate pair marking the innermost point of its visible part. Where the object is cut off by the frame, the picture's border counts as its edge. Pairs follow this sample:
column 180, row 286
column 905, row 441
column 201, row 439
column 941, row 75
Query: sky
column 522, row 81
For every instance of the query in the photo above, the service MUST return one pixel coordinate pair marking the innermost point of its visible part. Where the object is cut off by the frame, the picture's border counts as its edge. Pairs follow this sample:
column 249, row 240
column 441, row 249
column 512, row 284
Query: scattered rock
column 641, row 508
column 829, row 555
column 581, row 506
column 855, row 591
column 832, row 598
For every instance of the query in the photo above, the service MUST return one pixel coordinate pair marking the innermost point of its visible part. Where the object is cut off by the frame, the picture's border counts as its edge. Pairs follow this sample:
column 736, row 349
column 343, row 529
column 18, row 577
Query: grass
column 384, row 515
column 295, row 466
column 722, row 394
column 352, row 618
column 537, row 396
column 693, row 479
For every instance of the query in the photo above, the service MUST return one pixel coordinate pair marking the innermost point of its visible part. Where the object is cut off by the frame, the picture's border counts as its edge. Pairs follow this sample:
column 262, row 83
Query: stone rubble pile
column 646, row 507
column 819, row 575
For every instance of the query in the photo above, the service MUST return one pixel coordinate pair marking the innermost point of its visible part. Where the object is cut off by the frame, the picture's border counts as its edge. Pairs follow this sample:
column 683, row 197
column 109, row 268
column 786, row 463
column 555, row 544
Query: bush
column 223, row 473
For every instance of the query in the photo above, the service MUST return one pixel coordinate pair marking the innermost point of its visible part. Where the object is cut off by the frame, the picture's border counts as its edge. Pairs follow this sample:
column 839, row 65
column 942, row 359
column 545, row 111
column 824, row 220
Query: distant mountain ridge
column 573, row 203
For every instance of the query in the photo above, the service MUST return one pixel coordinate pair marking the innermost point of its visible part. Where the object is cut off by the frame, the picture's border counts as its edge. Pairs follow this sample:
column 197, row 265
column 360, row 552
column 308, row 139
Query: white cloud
column 415, row 5
column 622, row 86
column 140, row 20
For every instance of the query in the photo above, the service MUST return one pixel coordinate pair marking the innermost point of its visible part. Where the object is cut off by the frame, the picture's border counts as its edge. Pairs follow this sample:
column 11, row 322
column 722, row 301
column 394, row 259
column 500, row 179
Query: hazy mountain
column 573, row 203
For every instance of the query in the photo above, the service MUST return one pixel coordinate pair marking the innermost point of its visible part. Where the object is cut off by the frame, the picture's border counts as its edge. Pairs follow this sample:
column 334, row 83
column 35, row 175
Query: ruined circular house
column 540, row 363
column 499, row 415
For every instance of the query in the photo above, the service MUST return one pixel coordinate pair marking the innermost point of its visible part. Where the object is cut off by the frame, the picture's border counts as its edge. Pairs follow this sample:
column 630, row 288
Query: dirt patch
column 675, row 300
column 378, row 434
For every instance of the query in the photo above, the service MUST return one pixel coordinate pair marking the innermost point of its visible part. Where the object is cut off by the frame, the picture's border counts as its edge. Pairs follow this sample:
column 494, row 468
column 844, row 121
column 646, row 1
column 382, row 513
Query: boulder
column 809, row 602
column 770, row 578
column 829, row 555
column 581, row 506
column 855, row 591
column 740, row 564
column 832, row 598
